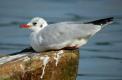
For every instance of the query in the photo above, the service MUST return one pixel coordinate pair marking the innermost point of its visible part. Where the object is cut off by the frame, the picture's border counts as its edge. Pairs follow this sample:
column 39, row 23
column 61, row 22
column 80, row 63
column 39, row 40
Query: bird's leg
column 71, row 47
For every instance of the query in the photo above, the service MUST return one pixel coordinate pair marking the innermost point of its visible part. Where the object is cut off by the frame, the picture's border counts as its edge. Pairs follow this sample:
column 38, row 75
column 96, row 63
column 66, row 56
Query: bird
column 62, row 35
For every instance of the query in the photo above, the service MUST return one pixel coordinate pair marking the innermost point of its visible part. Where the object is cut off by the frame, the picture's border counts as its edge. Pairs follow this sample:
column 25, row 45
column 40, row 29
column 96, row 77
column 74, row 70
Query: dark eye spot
column 41, row 25
column 34, row 23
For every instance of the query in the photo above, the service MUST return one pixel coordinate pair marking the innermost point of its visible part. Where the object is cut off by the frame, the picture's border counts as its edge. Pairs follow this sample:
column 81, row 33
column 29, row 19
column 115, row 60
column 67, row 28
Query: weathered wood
column 52, row 65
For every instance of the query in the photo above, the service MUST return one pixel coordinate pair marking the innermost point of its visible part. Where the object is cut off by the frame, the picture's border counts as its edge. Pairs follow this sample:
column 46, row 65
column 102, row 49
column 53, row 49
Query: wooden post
column 52, row 65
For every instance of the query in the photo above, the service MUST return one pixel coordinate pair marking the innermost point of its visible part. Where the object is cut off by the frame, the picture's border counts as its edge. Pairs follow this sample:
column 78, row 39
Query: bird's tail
column 102, row 21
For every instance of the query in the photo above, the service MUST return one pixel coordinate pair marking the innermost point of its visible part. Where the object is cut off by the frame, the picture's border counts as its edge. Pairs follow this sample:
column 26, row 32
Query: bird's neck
column 34, row 33
column 36, row 30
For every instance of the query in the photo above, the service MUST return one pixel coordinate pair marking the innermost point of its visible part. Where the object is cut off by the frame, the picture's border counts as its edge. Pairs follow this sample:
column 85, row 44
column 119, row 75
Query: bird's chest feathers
column 35, row 40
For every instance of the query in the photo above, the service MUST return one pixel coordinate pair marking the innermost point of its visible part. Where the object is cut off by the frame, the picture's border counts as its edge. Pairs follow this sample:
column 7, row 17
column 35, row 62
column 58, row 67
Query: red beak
column 24, row 26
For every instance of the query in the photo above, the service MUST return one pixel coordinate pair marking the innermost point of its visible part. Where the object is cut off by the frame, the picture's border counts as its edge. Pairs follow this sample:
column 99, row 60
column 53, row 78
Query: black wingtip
column 102, row 21
column 29, row 49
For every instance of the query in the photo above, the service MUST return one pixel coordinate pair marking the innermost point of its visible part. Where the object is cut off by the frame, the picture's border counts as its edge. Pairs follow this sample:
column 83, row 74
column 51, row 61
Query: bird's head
column 36, row 24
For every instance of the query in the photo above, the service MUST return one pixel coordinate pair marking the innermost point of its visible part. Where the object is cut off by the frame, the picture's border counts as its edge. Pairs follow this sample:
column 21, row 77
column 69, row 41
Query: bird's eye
column 41, row 25
column 34, row 23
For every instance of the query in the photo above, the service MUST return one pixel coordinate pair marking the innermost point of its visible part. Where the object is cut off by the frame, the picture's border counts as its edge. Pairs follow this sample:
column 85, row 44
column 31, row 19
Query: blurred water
column 100, row 59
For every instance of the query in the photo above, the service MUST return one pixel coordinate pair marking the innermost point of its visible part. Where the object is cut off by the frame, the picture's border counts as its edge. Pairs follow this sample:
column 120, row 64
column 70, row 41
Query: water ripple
column 11, row 44
column 99, row 75
column 100, row 50
column 10, row 23
column 103, row 43
column 101, row 57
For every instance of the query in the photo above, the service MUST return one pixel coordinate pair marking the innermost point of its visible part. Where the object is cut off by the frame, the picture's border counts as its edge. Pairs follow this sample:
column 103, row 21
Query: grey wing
column 65, row 31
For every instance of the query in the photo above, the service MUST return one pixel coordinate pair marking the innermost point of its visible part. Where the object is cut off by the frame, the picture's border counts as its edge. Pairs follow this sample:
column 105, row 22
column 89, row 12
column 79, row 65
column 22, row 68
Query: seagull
column 62, row 35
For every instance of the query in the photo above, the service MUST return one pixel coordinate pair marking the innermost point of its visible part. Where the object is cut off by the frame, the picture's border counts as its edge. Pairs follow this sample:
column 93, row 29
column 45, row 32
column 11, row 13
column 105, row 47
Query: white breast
column 34, row 41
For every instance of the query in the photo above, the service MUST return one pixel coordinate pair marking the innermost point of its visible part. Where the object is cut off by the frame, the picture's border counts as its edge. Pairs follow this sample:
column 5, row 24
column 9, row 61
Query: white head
column 36, row 24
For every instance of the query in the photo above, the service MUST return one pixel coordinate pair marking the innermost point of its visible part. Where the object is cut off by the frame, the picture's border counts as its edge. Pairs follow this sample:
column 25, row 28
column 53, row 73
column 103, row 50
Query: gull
column 62, row 35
